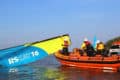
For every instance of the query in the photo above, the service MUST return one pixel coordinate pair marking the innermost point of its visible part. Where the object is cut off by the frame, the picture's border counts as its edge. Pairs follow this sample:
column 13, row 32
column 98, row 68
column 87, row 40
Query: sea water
column 50, row 69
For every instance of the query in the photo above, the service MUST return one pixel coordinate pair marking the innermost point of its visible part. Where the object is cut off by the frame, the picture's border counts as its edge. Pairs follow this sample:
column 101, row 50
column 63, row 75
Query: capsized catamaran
column 31, row 52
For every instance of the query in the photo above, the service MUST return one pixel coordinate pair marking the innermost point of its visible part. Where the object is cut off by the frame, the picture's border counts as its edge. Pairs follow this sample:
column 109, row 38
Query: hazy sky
column 24, row 21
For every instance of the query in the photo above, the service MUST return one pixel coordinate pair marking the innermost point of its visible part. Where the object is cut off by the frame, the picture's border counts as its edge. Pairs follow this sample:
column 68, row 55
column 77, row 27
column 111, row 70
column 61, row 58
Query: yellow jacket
column 100, row 46
column 83, row 46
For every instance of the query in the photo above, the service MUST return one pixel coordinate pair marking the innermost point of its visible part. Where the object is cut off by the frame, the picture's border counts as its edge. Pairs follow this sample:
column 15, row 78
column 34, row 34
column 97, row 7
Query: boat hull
column 31, row 52
column 24, row 56
column 103, row 63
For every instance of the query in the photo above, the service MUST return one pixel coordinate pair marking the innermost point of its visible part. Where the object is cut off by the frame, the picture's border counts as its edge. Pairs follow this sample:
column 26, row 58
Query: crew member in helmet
column 84, row 44
column 100, row 47
column 65, row 47
column 97, row 42
column 87, row 47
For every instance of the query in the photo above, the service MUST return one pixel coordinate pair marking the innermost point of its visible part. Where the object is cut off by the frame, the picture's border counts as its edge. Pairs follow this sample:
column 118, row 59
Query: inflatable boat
column 75, row 59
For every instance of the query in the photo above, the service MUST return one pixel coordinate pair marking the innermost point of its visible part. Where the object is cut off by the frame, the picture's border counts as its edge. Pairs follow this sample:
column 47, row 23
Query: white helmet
column 98, row 41
column 85, row 39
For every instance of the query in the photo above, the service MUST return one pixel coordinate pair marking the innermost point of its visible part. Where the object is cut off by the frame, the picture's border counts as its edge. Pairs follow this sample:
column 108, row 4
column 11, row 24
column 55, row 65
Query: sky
column 23, row 21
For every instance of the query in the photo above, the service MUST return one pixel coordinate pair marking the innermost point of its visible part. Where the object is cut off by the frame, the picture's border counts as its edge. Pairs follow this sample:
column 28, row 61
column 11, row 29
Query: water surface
column 50, row 69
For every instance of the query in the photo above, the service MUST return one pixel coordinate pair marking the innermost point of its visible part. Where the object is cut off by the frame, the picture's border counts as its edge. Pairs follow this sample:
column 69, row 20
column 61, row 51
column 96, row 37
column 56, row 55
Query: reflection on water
column 16, row 73
column 73, row 73
column 31, row 73
column 49, row 69
column 55, row 73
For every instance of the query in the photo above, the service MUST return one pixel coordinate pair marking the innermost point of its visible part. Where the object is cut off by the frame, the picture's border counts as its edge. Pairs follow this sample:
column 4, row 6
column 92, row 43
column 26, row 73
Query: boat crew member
column 96, row 46
column 100, row 47
column 65, row 47
column 87, row 47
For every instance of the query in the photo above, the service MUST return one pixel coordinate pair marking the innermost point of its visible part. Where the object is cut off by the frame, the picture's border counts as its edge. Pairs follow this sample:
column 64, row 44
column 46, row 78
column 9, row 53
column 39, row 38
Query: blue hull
column 23, row 56
column 9, row 51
